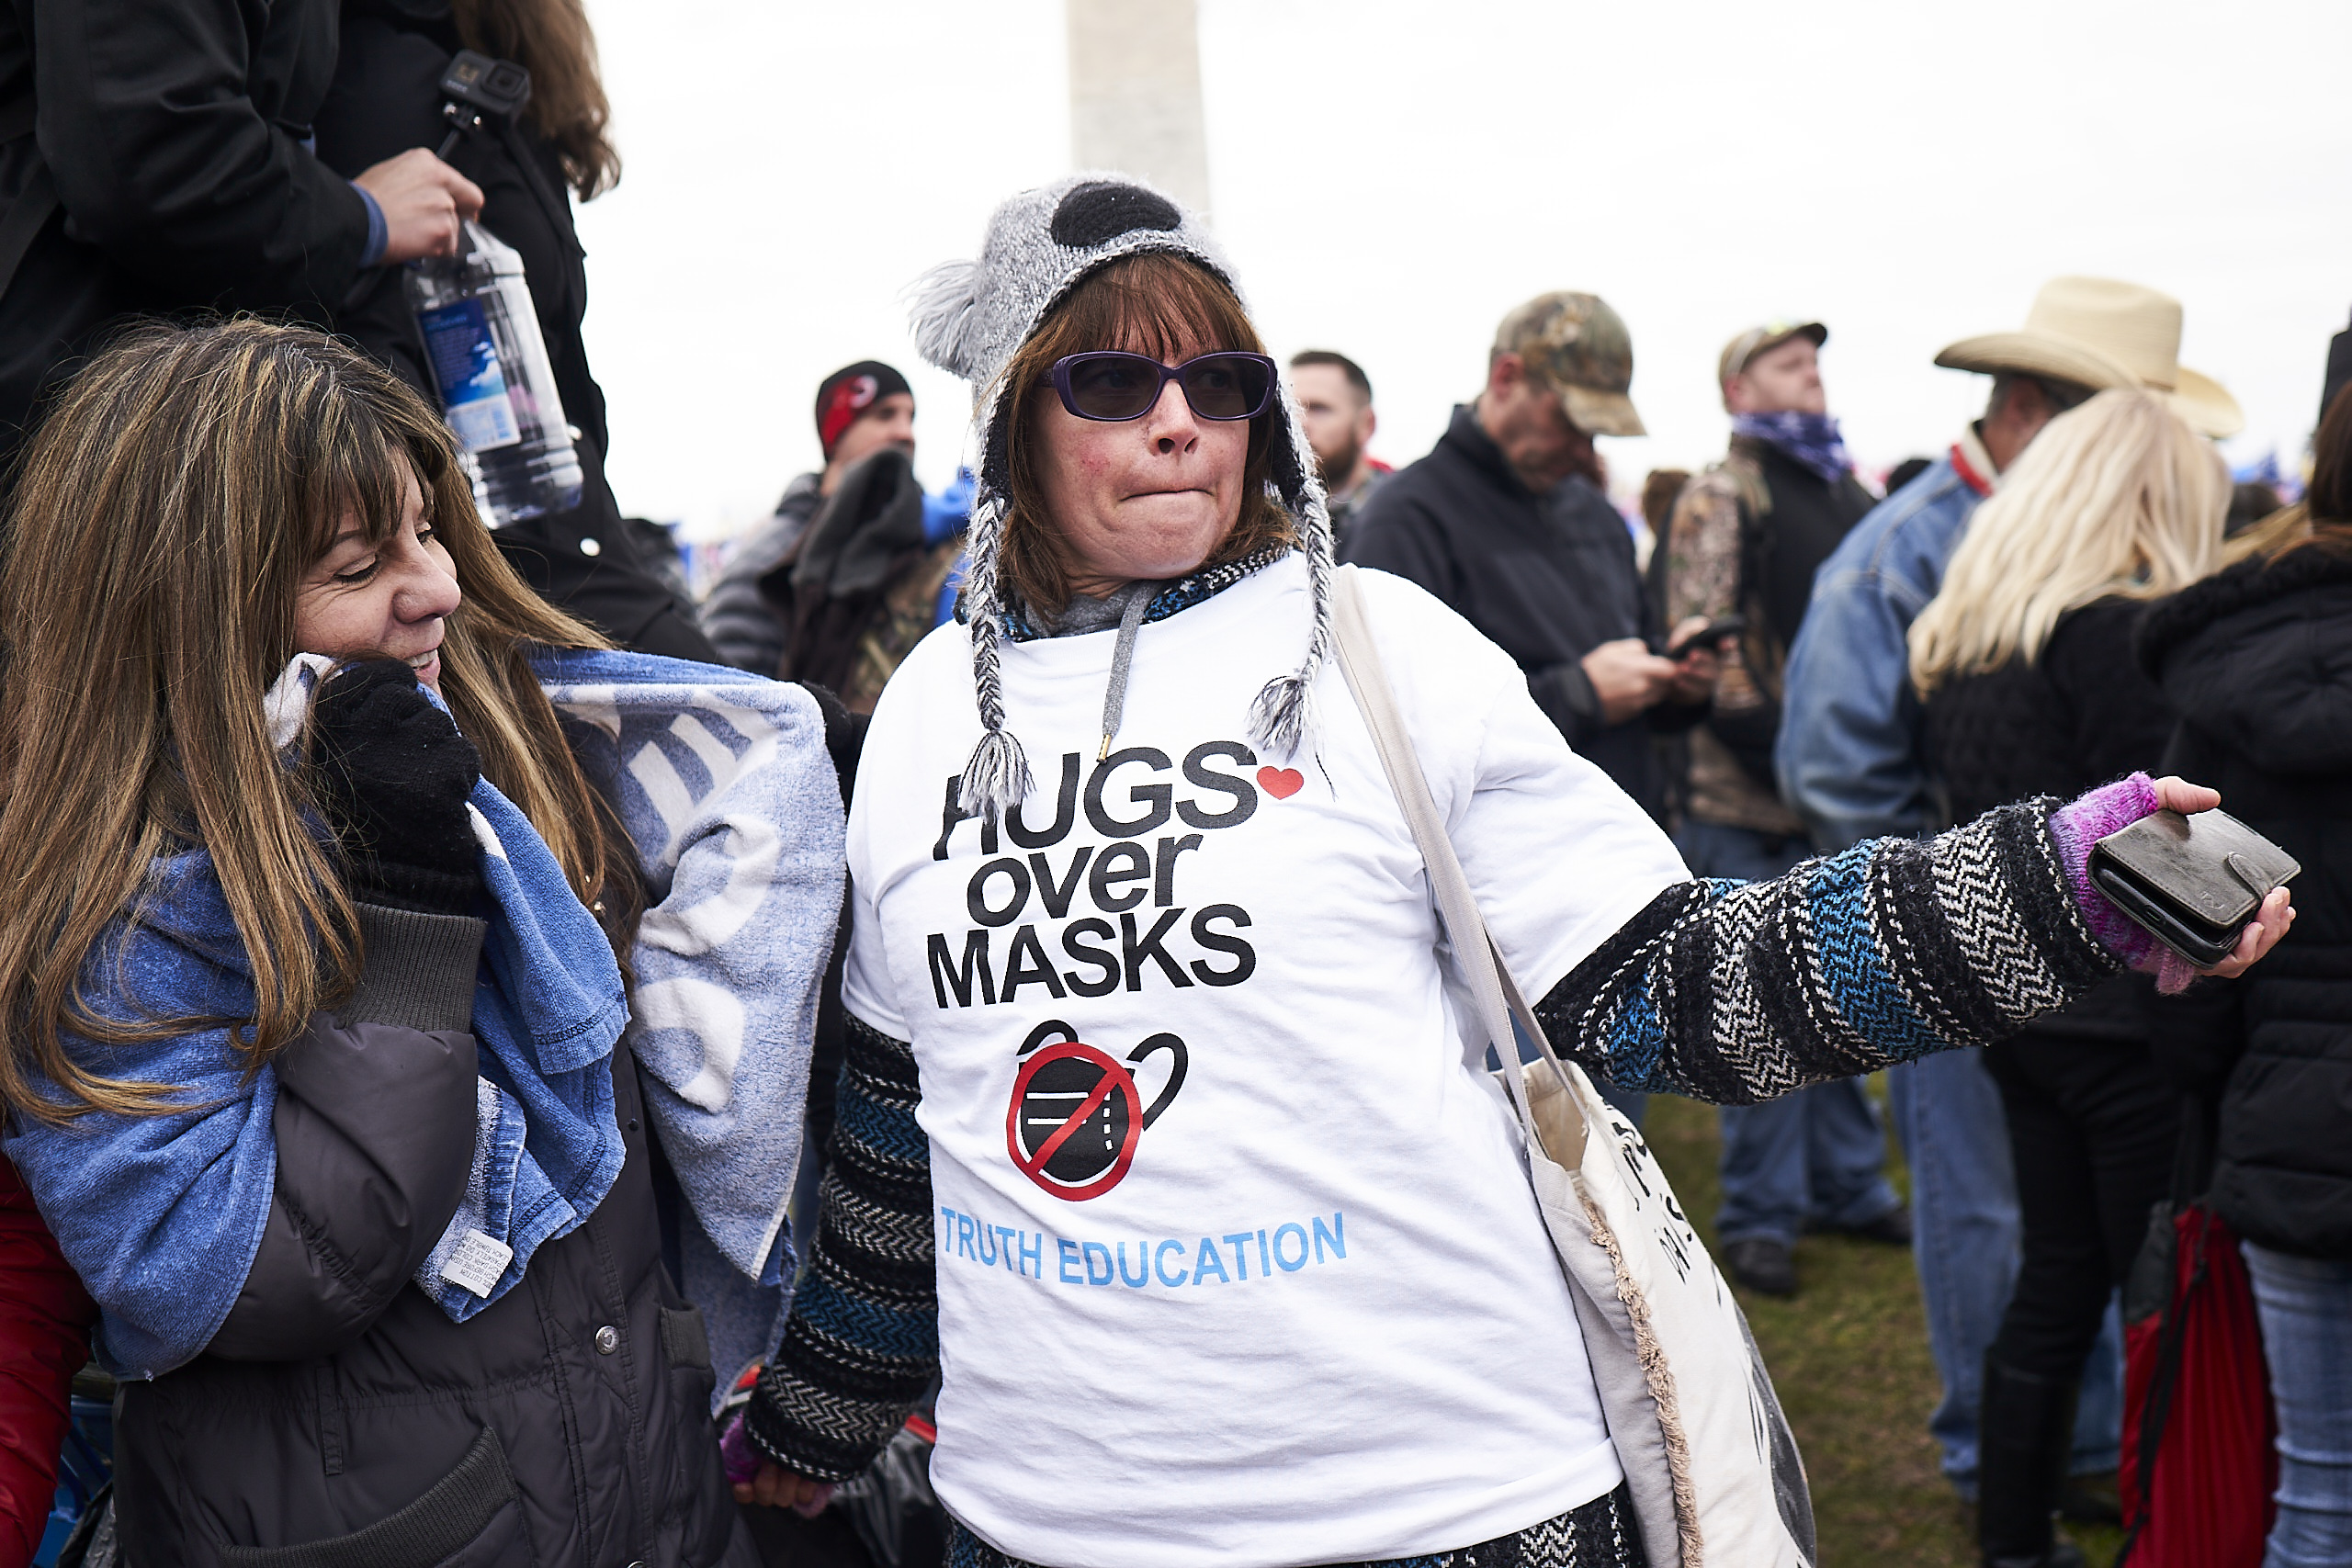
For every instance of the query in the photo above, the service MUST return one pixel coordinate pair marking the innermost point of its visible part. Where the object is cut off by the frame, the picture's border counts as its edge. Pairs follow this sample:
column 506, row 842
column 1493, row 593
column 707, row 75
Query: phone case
column 2191, row 882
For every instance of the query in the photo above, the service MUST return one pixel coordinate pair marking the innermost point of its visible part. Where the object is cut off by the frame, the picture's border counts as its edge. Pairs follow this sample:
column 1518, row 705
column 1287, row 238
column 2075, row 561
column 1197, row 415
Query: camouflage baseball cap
column 1741, row 351
column 1579, row 348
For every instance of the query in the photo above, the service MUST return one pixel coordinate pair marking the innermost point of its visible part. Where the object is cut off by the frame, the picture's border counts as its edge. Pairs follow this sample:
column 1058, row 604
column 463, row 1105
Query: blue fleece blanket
column 724, row 784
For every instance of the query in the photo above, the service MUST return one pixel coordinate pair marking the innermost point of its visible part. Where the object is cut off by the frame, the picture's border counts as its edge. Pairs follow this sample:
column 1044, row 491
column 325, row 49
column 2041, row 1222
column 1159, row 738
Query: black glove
column 392, row 774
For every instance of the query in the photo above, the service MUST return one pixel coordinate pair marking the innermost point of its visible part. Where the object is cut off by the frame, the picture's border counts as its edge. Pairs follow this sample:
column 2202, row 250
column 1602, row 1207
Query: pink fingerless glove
column 742, row 1462
column 2075, row 827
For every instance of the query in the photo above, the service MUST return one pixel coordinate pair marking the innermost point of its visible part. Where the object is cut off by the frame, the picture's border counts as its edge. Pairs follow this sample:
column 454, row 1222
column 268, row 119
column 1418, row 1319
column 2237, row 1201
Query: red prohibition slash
column 1114, row 1080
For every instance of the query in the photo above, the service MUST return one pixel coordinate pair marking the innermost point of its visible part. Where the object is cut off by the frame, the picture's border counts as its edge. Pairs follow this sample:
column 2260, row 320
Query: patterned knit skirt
column 1602, row 1534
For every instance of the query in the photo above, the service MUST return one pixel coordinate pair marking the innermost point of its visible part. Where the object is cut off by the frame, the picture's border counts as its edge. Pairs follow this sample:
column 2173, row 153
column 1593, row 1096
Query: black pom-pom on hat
column 1101, row 210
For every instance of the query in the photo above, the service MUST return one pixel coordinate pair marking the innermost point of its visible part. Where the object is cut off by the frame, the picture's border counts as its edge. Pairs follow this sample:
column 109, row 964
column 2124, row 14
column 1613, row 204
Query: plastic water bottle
column 482, row 335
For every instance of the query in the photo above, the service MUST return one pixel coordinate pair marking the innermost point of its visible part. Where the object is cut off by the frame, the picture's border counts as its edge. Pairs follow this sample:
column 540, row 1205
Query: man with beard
column 1335, row 396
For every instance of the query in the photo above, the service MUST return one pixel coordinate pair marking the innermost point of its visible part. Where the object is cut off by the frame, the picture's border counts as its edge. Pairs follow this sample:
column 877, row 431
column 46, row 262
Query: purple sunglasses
column 1111, row 386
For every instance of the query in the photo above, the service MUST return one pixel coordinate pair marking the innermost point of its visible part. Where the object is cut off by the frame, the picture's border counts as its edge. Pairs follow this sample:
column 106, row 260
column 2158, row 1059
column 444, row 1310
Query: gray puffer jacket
column 737, row 618
column 339, row 1417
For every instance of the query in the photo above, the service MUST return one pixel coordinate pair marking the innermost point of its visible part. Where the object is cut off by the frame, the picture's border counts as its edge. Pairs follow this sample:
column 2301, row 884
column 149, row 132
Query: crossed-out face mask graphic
column 1077, row 1113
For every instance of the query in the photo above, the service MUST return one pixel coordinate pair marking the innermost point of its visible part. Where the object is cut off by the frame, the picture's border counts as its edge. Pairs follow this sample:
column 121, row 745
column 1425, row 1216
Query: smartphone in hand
column 1707, row 637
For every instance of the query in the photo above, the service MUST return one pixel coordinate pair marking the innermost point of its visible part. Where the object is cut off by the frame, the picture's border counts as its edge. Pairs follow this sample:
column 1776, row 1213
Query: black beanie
column 849, row 393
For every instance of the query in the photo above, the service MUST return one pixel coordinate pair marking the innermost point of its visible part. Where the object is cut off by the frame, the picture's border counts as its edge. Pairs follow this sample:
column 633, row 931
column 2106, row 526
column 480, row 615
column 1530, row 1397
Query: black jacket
column 339, row 1410
column 2258, row 663
column 386, row 98
column 170, row 134
column 2076, row 718
column 1809, row 518
column 1547, row 578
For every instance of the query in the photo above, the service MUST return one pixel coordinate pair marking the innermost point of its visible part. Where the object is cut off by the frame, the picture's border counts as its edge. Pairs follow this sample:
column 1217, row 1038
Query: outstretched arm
column 1741, row 992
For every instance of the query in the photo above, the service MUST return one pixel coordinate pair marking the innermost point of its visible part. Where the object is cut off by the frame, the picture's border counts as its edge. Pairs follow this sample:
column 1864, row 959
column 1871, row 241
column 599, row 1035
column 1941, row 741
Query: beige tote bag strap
column 1482, row 970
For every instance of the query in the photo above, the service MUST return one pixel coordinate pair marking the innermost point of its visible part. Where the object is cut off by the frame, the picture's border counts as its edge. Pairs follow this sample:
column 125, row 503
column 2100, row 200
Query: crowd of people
column 508, row 1062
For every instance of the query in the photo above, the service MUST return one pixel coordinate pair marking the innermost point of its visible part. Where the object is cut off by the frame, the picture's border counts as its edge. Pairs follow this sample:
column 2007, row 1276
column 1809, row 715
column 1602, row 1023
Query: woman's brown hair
column 552, row 40
column 165, row 514
column 2322, row 519
column 1158, row 304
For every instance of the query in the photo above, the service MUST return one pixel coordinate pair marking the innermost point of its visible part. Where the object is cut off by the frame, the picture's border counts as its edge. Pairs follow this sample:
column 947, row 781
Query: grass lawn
column 1849, row 1356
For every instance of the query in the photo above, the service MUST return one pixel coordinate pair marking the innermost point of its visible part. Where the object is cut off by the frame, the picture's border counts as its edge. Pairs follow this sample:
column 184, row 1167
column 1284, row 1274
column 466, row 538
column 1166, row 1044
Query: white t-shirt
column 1237, row 1264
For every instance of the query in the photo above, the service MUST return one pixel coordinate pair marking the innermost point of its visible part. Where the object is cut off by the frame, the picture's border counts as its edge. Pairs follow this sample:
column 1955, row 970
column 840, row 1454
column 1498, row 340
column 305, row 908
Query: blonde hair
column 168, row 509
column 2115, row 499
column 2273, row 535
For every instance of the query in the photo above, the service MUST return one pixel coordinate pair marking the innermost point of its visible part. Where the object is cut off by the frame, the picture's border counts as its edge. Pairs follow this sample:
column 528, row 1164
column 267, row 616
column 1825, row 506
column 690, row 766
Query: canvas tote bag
column 1709, row 1460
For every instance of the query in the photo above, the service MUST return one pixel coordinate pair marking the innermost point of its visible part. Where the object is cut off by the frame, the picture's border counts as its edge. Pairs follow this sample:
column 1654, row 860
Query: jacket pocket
column 683, row 1340
column 472, row 1517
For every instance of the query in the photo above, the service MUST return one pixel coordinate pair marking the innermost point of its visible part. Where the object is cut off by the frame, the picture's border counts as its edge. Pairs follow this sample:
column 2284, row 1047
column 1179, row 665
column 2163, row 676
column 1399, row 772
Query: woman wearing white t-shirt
column 1158, row 1140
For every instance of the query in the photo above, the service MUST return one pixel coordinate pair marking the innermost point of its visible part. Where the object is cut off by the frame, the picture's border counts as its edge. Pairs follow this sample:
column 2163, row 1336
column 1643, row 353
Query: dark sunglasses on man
column 1111, row 386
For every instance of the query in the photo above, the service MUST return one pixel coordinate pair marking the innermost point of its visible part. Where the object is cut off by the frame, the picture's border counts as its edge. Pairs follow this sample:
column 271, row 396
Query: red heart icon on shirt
column 1281, row 782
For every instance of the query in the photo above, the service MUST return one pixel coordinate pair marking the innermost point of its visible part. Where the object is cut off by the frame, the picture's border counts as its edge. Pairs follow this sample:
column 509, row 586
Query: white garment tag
column 478, row 1263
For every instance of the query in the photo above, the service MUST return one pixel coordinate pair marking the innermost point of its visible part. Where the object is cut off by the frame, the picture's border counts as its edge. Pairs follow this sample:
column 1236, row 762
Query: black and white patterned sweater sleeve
column 862, row 1345
column 1739, row 992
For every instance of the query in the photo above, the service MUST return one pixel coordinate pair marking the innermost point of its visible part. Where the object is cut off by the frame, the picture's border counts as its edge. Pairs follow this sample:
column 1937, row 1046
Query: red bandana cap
column 848, row 393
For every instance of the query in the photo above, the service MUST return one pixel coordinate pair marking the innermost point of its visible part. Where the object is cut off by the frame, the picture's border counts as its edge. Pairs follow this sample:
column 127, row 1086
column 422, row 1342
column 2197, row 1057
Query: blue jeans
column 1819, row 1155
column 1816, row 1155
column 1947, row 1112
column 2306, row 1308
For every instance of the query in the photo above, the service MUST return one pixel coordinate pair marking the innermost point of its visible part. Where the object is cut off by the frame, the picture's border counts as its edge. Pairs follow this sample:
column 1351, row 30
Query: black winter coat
column 338, row 1415
column 2079, row 716
column 386, row 98
column 2258, row 663
column 1547, row 578
column 171, row 132
column 1809, row 517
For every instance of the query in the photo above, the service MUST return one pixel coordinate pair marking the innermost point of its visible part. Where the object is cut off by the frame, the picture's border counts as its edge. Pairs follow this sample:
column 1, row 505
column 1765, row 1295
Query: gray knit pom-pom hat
column 971, row 317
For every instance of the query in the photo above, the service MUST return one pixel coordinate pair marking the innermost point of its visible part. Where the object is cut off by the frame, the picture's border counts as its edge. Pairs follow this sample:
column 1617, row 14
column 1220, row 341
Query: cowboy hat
column 2099, row 333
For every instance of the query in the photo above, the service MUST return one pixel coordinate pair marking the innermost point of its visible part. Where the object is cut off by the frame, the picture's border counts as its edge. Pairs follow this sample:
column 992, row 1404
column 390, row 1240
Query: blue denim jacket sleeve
column 1848, row 754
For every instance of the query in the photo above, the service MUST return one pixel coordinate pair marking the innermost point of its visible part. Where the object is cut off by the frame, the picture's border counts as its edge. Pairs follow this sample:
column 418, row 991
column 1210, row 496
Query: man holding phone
column 1507, row 520
column 1740, row 549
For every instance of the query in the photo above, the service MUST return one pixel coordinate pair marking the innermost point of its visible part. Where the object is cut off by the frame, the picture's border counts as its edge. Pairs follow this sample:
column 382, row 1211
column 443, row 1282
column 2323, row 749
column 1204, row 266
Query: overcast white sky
column 1391, row 177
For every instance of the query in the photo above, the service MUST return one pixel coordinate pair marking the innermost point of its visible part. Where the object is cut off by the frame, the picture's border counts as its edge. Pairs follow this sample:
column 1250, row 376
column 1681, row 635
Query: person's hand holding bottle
column 424, row 202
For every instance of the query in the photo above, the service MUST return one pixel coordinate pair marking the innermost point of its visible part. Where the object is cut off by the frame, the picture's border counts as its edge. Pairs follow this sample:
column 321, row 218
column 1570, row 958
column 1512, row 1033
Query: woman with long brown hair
column 386, row 100
column 332, row 907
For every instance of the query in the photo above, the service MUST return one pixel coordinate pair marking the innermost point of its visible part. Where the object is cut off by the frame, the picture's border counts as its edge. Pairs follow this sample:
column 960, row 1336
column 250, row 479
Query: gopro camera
column 490, row 87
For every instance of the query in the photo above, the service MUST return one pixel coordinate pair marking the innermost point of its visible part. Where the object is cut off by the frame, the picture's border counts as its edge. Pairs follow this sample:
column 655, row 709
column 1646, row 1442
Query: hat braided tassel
column 996, row 779
column 1281, row 720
